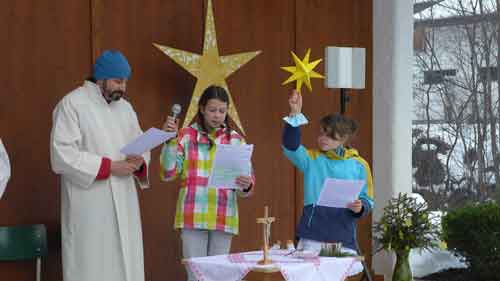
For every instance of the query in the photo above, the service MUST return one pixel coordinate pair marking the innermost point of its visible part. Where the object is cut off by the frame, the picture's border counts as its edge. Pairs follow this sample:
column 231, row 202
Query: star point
column 303, row 71
column 209, row 68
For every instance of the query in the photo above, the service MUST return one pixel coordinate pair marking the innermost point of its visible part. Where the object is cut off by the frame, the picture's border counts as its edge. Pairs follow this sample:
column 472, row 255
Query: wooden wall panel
column 51, row 49
column 45, row 52
column 262, row 102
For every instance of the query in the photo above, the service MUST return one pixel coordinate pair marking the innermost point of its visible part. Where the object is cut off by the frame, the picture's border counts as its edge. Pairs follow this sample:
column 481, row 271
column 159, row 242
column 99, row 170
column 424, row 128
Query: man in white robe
column 100, row 215
column 4, row 168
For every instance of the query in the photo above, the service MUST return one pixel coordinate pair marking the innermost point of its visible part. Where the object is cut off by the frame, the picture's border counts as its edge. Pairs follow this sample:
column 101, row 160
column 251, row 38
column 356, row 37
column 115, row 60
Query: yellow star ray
column 209, row 68
column 303, row 71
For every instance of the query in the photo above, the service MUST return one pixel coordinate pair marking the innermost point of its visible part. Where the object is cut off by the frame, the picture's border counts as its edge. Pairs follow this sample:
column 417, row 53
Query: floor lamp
column 344, row 69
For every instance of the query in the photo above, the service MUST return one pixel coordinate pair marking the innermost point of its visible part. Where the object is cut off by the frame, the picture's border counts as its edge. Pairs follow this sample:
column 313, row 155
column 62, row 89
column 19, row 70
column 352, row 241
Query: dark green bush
column 473, row 232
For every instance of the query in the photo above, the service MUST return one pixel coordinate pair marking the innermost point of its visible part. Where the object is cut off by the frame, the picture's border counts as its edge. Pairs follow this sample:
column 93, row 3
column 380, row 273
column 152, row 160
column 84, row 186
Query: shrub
column 405, row 224
column 473, row 233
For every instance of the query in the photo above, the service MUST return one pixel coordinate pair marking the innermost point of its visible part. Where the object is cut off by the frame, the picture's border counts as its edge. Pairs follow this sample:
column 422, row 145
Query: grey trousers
column 202, row 243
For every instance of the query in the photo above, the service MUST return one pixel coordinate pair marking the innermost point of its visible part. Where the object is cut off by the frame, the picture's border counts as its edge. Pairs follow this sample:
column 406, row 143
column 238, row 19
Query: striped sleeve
column 171, row 160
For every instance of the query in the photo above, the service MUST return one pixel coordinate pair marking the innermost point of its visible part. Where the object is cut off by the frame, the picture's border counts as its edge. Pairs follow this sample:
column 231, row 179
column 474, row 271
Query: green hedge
column 473, row 232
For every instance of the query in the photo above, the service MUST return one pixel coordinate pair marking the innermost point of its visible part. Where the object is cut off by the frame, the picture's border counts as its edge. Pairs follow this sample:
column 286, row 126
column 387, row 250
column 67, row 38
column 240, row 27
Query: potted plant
column 405, row 224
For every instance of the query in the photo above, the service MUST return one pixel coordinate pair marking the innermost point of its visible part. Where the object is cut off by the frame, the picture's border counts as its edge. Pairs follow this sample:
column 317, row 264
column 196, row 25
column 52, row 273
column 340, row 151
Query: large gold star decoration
column 303, row 71
column 209, row 68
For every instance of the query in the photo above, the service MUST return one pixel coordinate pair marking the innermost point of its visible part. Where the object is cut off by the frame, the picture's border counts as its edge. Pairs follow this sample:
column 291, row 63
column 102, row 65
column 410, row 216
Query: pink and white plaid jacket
column 189, row 157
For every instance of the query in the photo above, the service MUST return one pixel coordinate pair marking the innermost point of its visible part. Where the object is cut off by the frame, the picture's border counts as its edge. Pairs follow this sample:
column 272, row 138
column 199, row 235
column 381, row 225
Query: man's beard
column 111, row 96
column 116, row 95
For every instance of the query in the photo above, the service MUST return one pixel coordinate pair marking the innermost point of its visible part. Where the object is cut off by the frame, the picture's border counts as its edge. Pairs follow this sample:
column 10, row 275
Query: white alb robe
column 100, row 219
column 4, row 168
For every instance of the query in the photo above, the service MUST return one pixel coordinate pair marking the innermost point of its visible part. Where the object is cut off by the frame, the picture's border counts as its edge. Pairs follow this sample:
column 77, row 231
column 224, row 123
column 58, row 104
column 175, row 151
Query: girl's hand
column 355, row 206
column 244, row 182
column 170, row 125
column 295, row 102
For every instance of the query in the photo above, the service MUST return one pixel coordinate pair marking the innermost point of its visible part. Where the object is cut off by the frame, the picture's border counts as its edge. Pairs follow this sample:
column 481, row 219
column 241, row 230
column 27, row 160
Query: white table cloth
column 234, row 267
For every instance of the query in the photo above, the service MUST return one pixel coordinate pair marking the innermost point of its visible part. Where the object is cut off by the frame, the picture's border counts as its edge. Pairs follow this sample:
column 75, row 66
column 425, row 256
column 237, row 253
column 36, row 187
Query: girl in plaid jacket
column 206, row 216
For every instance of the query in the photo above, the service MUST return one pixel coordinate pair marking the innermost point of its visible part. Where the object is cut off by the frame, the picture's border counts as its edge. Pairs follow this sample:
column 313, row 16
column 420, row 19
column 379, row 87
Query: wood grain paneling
column 51, row 48
column 45, row 53
column 247, row 26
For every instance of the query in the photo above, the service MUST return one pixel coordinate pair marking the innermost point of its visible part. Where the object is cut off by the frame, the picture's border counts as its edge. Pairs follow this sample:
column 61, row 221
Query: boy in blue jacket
column 320, row 224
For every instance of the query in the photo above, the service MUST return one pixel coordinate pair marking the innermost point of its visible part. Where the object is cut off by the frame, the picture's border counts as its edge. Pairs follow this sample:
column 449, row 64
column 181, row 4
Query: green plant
column 334, row 250
column 473, row 233
column 405, row 224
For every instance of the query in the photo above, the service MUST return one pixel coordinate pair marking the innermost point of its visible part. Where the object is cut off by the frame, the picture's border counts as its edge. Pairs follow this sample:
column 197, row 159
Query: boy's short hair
column 338, row 125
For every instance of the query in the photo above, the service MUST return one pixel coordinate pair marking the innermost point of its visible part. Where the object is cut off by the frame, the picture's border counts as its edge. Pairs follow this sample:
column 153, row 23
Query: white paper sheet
column 147, row 141
column 230, row 161
column 4, row 168
column 339, row 193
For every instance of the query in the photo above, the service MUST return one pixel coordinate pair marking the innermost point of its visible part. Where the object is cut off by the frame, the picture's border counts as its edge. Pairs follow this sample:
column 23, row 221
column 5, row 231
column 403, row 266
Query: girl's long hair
column 213, row 92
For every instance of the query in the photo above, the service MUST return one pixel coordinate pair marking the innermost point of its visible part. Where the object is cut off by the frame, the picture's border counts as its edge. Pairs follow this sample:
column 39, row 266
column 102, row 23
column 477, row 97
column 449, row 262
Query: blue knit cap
column 111, row 64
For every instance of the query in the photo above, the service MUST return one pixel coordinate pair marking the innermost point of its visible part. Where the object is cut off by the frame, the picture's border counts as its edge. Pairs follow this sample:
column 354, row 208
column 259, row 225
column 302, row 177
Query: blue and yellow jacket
column 327, row 224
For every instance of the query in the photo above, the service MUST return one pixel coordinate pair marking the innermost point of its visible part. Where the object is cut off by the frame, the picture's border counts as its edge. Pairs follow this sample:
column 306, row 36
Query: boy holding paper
column 320, row 224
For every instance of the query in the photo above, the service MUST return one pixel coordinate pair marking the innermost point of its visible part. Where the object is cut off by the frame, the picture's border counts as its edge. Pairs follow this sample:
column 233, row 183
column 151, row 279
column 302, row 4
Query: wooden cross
column 266, row 222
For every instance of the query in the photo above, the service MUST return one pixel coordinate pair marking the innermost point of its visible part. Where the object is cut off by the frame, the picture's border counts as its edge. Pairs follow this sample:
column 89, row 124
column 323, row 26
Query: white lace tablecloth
column 235, row 267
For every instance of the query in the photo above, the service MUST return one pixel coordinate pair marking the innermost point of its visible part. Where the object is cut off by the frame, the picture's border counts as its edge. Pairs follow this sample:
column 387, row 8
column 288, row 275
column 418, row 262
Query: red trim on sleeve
column 104, row 170
column 142, row 172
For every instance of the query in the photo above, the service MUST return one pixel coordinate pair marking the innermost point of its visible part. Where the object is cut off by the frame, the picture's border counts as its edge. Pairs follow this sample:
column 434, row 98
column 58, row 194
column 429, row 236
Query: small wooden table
column 264, row 274
column 274, row 274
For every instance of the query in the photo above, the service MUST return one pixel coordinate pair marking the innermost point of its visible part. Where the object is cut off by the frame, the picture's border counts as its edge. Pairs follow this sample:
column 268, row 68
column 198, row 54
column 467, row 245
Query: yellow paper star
column 209, row 68
column 303, row 71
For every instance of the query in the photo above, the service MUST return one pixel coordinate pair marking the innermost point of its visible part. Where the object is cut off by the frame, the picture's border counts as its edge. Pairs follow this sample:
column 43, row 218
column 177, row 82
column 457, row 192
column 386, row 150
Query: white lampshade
column 345, row 67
